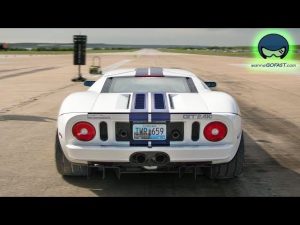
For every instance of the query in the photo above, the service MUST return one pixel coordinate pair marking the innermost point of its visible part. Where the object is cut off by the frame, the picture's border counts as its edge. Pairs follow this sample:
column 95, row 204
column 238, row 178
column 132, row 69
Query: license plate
column 149, row 131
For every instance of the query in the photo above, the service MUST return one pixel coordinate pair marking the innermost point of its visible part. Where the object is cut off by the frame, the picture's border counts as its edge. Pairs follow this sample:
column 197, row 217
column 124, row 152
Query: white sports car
column 150, row 120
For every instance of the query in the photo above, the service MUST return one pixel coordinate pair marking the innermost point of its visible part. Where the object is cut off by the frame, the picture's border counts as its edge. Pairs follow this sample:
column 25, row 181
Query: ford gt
column 150, row 120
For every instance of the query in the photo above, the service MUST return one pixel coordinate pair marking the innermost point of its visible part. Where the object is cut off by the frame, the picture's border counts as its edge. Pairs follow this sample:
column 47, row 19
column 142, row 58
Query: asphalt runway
column 33, row 87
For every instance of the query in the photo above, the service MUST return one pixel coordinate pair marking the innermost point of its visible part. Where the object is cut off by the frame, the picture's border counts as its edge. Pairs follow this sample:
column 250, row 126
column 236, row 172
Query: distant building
column 3, row 46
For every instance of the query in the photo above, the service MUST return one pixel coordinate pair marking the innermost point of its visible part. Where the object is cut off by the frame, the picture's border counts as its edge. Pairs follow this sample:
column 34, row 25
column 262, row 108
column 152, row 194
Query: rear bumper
column 214, row 154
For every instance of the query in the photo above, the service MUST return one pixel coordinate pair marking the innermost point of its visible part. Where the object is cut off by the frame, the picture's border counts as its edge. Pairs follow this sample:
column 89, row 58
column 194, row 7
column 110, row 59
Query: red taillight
column 215, row 131
column 84, row 131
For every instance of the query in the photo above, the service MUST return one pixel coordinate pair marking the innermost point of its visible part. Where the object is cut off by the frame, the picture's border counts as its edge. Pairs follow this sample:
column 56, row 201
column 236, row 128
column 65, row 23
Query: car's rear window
column 149, row 84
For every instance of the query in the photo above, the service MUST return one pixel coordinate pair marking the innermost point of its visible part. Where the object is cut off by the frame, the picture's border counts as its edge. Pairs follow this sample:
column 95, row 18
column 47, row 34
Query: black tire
column 64, row 166
column 228, row 170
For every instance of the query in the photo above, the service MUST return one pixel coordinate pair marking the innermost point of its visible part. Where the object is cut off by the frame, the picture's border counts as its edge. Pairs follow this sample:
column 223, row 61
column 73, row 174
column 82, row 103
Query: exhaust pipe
column 138, row 158
column 149, row 158
column 161, row 158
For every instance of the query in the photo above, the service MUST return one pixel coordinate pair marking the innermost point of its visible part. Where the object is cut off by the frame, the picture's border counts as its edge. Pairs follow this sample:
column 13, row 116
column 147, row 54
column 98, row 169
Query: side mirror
column 210, row 84
column 89, row 83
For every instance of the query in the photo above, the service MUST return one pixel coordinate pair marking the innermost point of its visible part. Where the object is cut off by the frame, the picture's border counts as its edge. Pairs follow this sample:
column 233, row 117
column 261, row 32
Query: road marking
column 35, row 98
column 13, row 56
column 12, row 70
column 27, row 72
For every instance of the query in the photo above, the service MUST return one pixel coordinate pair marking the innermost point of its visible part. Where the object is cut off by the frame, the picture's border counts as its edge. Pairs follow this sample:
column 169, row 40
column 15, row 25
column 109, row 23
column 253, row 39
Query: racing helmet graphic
column 273, row 45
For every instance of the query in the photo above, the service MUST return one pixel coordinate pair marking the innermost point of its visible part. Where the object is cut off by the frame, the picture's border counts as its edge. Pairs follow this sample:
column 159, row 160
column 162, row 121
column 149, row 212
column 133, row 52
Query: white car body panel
column 205, row 106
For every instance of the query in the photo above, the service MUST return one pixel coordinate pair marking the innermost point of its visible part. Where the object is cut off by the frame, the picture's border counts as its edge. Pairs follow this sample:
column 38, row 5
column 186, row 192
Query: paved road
column 32, row 89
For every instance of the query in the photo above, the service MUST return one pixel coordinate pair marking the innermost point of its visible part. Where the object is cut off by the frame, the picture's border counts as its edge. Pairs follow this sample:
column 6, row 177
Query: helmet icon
column 273, row 45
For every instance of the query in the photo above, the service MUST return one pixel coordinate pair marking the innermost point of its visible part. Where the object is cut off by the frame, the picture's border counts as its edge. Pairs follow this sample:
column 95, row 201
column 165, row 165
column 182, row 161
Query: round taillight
column 215, row 131
column 84, row 131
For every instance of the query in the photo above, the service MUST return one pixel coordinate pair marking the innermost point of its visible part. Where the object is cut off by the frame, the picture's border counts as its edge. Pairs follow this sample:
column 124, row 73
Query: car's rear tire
column 228, row 170
column 64, row 166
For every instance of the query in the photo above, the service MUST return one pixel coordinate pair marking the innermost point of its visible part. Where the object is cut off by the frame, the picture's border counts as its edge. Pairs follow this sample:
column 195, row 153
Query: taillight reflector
column 84, row 131
column 215, row 131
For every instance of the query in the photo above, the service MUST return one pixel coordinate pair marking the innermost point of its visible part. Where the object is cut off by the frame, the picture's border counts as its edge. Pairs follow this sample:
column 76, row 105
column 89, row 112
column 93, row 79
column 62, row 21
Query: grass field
column 207, row 52
column 220, row 52
column 214, row 52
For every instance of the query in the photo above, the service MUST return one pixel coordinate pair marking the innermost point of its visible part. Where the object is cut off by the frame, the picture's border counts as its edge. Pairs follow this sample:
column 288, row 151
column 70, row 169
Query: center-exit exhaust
column 149, row 158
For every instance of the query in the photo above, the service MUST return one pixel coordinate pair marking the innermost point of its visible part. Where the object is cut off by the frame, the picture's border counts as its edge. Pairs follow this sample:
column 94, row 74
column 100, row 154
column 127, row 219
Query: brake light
column 84, row 131
column 215, row 131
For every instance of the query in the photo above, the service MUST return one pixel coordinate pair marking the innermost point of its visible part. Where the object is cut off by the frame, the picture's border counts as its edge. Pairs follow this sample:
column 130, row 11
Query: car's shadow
column 262, row 176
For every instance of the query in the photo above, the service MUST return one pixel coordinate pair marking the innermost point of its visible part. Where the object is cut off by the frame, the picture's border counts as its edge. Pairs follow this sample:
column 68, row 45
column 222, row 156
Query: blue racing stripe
column 160, row 113
column 159, row 101
column 140, row 100
column 138, row 114
column 156, row 72
column 138, row 117
column 160, row 117
column 141, row 72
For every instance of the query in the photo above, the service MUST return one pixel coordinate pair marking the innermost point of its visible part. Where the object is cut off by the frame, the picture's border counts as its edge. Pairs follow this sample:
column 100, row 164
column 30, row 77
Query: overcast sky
column 182, row 36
